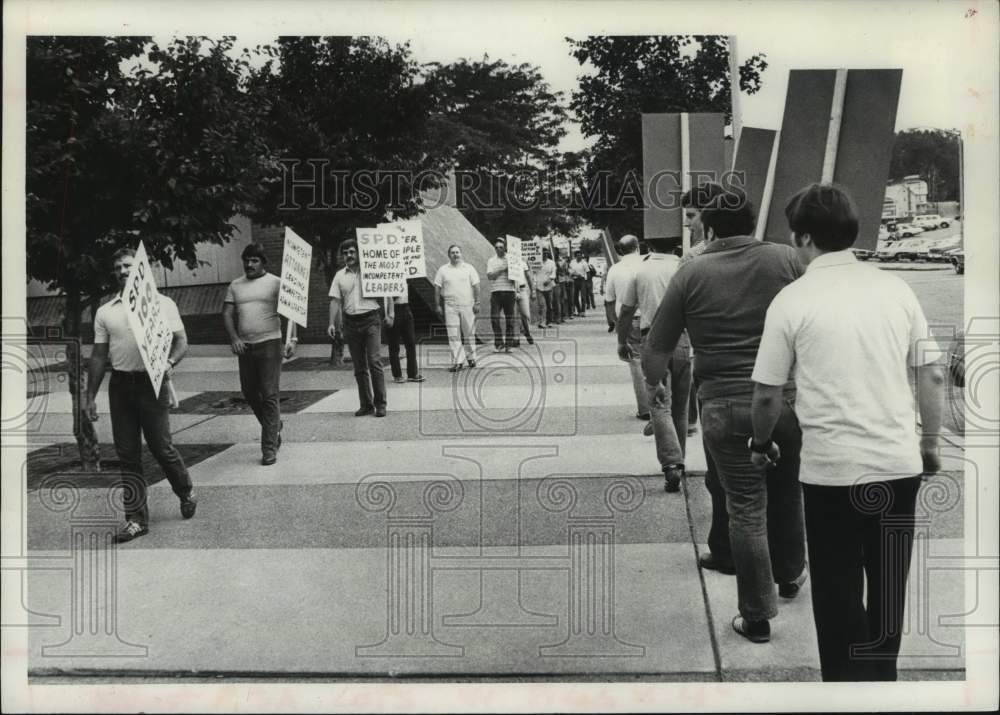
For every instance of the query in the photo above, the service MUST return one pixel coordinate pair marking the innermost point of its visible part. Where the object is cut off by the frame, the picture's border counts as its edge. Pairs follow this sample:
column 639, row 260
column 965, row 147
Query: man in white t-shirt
column 849, row 333
column 456, row 296
column 617, row 276
column 546, row 285
column 135, row 409
column 250, row 314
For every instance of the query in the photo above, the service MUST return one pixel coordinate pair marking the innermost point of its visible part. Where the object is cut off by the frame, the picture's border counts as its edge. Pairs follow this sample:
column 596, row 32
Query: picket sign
column 409, row 235
column 293, row 296
column 151, row 332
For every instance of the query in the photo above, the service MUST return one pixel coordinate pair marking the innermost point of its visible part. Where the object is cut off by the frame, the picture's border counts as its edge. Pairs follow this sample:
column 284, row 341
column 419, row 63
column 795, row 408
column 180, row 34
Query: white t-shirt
column 456, row 284
column 617, row 277
column 847, row 332
column 111, row 327
column 256, row 304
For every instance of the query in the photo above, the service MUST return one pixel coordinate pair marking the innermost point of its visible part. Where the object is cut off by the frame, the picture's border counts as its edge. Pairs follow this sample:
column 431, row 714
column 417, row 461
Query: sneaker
column 531, row 340
column 268, row 459
column 642, row 416
column 472, row 363
column 188, row 506
column 648, row 430
column 710, row 561
column 131, row 530
column 455, row 368
column 399, row 380
column 790, row 589
column 541, row 326
column 364, row 411
column 753, row 631
column 692, row 430
column 499, row 348
column 380, row 412
column 672, row 478
column 418, row 378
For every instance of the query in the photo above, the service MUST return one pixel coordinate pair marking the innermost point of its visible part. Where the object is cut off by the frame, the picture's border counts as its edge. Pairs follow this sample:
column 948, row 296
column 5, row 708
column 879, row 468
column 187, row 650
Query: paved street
column 507, row 521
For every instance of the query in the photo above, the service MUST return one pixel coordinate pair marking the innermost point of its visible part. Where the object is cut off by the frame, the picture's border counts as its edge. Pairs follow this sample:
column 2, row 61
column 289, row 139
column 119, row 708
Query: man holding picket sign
column 142, row 334
column 251, row 315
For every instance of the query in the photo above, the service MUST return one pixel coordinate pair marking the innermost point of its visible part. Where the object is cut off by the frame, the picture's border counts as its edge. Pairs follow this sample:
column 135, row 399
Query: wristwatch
column 759, row 448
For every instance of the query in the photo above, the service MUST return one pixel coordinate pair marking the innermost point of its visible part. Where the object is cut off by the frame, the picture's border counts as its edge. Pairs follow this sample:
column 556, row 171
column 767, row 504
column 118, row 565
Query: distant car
column 929, row 222
column 862, row 255
column 908, row 230
column 902, row 251
column 941, row 250
column 957, row 258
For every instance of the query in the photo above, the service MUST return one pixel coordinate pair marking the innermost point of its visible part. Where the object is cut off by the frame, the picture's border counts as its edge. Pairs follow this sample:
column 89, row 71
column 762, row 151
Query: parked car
column 929, row 222
column 957, row 258
column 908, row 230
column 905, row 250
column 940, row 250
column 862, row 255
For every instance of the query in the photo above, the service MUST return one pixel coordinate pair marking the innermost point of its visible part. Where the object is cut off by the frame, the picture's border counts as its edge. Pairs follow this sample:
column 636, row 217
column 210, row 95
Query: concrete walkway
column 507, row 521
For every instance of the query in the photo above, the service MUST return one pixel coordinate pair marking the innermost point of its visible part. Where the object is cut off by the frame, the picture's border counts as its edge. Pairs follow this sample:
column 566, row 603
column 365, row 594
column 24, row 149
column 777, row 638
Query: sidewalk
column 504, row 522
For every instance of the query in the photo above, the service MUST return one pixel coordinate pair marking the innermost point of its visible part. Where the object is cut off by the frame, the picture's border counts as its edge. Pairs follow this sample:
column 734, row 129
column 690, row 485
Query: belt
column 361, row 316
column 130, row 373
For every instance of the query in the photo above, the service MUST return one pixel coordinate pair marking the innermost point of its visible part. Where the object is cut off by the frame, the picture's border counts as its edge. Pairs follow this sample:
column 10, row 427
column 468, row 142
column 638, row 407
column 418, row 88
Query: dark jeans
column 858, row 534
column 766, row 530
column 260, row 379
column 504, row 300
column 718, row 531
column 136, row 410
column 364, row 340
column 670, row 419
column 546, row 297
column 402, row 329
column 579, row 300
column 589, row 293
column 567, row 299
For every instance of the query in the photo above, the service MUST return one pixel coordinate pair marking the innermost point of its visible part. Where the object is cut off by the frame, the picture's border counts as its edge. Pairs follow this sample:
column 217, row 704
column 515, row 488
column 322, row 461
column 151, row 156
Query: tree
column 500, row 126
column 348, row 120
column 931, row 154
column 166, row 152
column 636, row 75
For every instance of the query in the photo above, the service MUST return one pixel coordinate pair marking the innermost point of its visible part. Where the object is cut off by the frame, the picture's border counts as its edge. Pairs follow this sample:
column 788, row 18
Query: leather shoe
column 380, row 412
column 268, row 459
column 708, row 560
column 753, row 631
column 672, row 478
column 647, row 430
column 188, row 506
column 364, row 411
column 790, row 589
column 642, row 416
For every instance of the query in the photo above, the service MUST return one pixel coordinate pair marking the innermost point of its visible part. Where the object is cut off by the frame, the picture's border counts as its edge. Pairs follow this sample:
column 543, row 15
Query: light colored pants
column 461, row 324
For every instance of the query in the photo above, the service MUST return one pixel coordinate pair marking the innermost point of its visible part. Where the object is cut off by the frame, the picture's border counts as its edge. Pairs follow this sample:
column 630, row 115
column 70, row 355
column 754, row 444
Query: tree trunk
column 83, row 428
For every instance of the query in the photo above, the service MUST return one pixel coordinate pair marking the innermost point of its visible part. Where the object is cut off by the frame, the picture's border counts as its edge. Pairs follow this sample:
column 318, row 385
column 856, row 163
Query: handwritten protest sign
column 531, row 252
column 296, row 261
column 142, row 306
column 515, row 259
column 411, row 239
column 383, row 269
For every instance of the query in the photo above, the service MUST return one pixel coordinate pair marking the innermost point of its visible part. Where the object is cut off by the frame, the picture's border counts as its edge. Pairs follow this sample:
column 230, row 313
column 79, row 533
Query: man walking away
column 250, row 314
column 618, row 275
column 456, row 296
column 667, row 389
column 721, row 299
column 849, row 333
column 362, row 319
column 135, row 409
column 402, row 330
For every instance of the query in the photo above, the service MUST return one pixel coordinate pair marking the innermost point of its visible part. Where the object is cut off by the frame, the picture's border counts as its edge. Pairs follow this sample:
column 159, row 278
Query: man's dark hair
column 454, row 245
column 349, row 243
column 729, row 214
column 827, row 213
column 254, row 250
column 121, row 253
column 701, row 196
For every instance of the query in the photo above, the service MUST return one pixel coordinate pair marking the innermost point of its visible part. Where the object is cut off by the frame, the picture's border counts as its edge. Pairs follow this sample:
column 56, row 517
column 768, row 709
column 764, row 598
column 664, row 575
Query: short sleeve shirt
column 346, row 287
column 847, row 332
column 502, row 282
column 456, row 282
column 649, row 284
column 617, row 276
column 111, row 328
column 256, row 303
column 547, row 275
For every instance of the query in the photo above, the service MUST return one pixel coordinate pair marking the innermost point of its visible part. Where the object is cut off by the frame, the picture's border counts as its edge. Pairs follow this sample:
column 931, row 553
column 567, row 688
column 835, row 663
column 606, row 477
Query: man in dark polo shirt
column 721, row 299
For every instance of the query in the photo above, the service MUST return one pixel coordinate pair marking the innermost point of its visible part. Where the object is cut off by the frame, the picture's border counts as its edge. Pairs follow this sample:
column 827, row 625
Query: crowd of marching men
column 799, row 359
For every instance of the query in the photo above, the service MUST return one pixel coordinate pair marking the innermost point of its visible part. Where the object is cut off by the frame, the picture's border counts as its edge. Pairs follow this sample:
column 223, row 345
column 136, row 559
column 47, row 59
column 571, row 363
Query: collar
column 833, row 258
column 727, row 244
column 116, row 299
column 655, row 256
column 348, row 269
